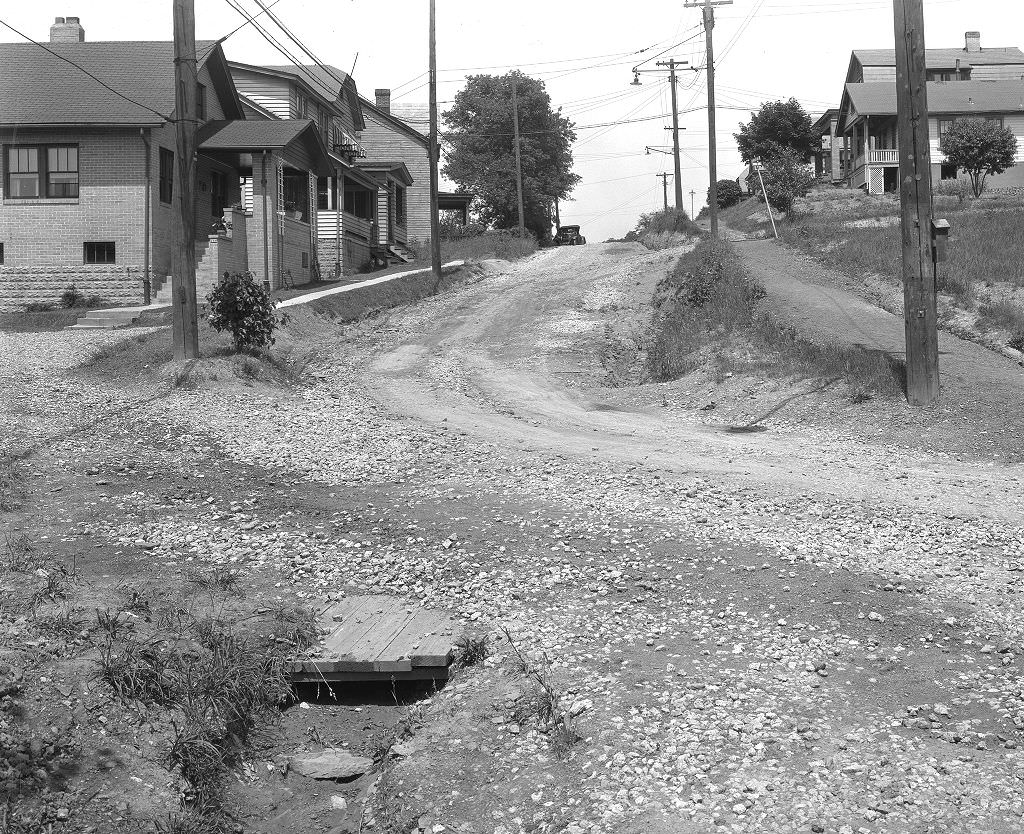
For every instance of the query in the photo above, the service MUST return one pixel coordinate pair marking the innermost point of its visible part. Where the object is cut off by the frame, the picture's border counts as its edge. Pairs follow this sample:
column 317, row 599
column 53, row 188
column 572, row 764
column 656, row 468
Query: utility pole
column 184, row 315
column 519, row 159
column 672, row 63
column 664, row 186
column 435, row 150
column 919, row 226
column 708, row 8
column 692, row 195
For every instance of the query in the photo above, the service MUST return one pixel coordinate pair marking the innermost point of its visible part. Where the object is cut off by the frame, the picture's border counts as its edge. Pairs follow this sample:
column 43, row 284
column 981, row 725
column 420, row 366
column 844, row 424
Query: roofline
column 315, row 90
column 396, row 121
column 65, row 125
column 246, row 101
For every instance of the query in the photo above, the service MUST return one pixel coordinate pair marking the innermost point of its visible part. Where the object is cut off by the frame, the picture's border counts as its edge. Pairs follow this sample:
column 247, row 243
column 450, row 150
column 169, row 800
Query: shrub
column 729, row 193
column 958, row 188
column 241, row 305
column 39, row 307
column 786, row 177
column 670, row 220
column 980, row 147
column 71, row 297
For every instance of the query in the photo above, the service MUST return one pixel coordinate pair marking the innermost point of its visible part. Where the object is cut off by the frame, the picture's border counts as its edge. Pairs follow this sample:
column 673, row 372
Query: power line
column 81, row 69
column 300, row 44
column 234, row 31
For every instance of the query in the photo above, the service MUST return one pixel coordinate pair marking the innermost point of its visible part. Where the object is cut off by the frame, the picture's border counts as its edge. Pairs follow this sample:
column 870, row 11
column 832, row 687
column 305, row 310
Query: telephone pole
column 519, row 159
column 920, row 229
column 708, row 9
column 435, row 150
column 184, row 318
column 664, row 186
column 672, row 63
column 692, row 195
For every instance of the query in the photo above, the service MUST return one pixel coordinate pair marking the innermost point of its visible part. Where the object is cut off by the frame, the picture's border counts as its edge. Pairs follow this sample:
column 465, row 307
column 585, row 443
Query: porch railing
column 886, row 156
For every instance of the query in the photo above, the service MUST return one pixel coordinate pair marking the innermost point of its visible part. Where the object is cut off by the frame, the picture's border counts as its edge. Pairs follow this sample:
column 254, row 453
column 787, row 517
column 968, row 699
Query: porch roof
column 453, row 200
column 396, row 169
column 878, row 98
column 270, row 135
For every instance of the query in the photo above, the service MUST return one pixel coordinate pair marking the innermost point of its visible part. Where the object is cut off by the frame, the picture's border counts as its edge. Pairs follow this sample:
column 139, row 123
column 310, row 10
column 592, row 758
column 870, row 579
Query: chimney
column 67, row 30
column 383, row 97
column 973, row 41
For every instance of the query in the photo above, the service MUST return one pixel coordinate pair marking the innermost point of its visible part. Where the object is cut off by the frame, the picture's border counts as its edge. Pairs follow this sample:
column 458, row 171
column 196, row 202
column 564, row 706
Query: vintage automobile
column 569, row 236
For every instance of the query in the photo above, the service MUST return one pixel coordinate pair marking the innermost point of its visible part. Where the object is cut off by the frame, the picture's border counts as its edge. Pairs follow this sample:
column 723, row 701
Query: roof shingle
column 878, row 98
column 944, row 58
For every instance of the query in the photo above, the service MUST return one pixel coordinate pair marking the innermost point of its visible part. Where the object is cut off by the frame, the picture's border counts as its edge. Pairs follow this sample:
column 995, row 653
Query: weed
column 63, row 625
column 136, row 600
column 1017, row 342
column 1003, row 314
column 199, row 761
column 218, row 578
column 139, row 672
column 115, row 624
column 543, row 702
column 19, row 553
column 57, row 587
column 294, row 626
column 193, row 822
column 472, row 650
column 12, row 491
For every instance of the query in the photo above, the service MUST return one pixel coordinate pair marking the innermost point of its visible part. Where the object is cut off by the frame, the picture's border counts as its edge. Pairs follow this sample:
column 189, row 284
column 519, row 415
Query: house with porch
column 87, row 192
column 963, row 83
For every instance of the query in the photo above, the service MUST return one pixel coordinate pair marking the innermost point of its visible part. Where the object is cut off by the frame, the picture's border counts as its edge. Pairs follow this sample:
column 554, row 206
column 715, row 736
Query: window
column 325, row 193
column 201, row 102
column 400, row 205
column 1, row 253
column 218, row 193
column 944, row 126
column 300, row 105
column 357, row 202
column 99, row 253
column 305, row 260
column 62, row 171
column 166, row 175
column 23, row 172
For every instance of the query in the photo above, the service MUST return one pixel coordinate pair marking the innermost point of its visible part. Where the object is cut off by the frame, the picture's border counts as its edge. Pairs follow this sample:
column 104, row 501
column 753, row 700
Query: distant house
column 88, row 195
column 746, row 180
column 964, row 83
column 342, row 219
column 829, row 162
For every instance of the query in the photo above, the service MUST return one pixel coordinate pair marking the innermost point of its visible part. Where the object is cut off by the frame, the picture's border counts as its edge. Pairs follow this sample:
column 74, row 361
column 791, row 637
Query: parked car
column 569, row 236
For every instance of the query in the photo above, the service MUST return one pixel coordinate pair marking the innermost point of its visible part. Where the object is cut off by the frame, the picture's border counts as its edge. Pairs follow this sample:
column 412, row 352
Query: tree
column 980, row 147
column 481, row 155
column 786, row 177
column 777, row 126
column 729, row 193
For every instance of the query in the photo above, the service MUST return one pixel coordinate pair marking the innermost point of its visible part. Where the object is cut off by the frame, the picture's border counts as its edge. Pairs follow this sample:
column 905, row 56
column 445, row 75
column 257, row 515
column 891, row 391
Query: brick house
column 972, row 82
column 87, row 191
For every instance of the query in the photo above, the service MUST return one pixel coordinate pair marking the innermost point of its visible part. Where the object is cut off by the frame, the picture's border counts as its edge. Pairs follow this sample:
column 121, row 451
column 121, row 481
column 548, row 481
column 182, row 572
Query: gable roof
column 878, row 98
column 266, row 134
column 38, row 88
column 394, row 122
column 944, row 58
column 398, row 170
column 325, row 82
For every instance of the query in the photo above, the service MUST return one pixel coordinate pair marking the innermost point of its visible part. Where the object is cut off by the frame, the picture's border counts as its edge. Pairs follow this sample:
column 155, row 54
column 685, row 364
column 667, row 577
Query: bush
column 71, row 297
column 981, row 148
column 38, row 307
column 959, row 188
column 786, row 177
column 670, row 220
column 729, row 193
column 242, row 306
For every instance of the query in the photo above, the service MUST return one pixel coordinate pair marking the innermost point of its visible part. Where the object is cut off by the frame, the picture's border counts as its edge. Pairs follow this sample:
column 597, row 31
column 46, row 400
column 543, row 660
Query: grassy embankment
column 982, row 282
column 708, row 317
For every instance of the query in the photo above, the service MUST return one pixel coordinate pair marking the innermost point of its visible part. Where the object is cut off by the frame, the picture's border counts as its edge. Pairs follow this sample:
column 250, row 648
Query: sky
column 584, row 52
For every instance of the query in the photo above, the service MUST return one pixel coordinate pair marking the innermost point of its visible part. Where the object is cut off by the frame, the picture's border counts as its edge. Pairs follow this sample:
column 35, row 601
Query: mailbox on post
column 940, row 235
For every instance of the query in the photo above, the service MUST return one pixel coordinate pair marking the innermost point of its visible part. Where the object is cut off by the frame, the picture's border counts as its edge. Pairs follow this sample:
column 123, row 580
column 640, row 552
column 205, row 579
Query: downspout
column 147, row 285
column 266, row 230
column 337, row 224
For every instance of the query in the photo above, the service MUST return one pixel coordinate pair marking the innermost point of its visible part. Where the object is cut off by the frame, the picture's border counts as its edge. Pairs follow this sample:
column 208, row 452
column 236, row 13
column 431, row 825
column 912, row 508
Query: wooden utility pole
column 435, row 150
column 916, row 217
column 708, row 8
column 664, row 186
column 692, row 195
column 184, row 315
column 519, row 159
column 672, row 63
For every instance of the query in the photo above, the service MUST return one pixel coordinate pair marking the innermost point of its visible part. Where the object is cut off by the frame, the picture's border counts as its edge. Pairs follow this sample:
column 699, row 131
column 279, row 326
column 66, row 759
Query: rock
column 876, row 617
column 339, row 803
column 332, row 763
column 941, row 709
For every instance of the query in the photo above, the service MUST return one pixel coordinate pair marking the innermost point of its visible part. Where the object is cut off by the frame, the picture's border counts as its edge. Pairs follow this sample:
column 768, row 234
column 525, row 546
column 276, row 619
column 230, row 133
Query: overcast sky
column 766, row 49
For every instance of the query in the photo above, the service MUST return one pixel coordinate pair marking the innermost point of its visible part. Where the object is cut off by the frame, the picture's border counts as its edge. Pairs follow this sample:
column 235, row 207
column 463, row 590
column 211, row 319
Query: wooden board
column 380, row 638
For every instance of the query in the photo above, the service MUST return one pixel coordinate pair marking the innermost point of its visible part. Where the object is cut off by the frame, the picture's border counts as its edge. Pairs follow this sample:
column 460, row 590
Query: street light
column 636, row 78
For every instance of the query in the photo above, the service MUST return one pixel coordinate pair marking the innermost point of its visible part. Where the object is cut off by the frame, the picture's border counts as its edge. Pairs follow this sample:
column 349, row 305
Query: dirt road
column 792, row 631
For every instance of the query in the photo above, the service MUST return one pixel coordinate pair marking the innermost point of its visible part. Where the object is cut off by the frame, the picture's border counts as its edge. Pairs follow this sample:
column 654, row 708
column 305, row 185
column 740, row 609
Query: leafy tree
column 244, row 307
column 777, row 126
column 980, row 147
column 729, row 193
column 786, row 176
column 481, row 156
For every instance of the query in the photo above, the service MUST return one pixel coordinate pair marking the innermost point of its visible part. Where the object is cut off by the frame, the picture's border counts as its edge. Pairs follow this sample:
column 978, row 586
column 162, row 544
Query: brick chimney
column 67, row 30
column 383, row 97
column 973, row 41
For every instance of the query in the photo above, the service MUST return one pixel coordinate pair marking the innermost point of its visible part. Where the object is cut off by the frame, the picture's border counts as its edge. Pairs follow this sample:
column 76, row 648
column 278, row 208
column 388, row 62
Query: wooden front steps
column 380, row 638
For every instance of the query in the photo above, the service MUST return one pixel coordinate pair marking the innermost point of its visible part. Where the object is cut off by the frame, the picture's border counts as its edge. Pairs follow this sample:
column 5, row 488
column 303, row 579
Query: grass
column 39, row 321
column 472, row 650
column 12, row 484
column 708, row 309
column 497, row 243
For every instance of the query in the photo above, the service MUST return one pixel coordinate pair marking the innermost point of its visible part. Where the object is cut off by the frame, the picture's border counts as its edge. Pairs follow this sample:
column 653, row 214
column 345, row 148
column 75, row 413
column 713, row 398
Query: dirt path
column 978, row 381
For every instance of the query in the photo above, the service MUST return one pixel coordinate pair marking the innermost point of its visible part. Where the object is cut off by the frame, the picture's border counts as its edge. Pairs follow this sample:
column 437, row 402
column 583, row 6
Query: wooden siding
column 214, row 108
column 1004, row 72
column 273, row 94
column 878, row 74
column 385, row 144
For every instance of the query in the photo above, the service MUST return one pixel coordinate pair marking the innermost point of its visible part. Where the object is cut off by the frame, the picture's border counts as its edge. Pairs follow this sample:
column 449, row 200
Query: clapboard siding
column 273, row 94
column 385, row 143
column 1004, row 72
column 879, row 74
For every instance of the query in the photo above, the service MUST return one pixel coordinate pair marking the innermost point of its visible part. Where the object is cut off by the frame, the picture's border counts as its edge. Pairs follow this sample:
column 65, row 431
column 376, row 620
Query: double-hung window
column 47, row 171
column 166, row 175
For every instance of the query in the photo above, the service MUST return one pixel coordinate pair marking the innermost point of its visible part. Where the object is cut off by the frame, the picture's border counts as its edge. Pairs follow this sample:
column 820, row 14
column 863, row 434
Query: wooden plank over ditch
column 380, row 638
